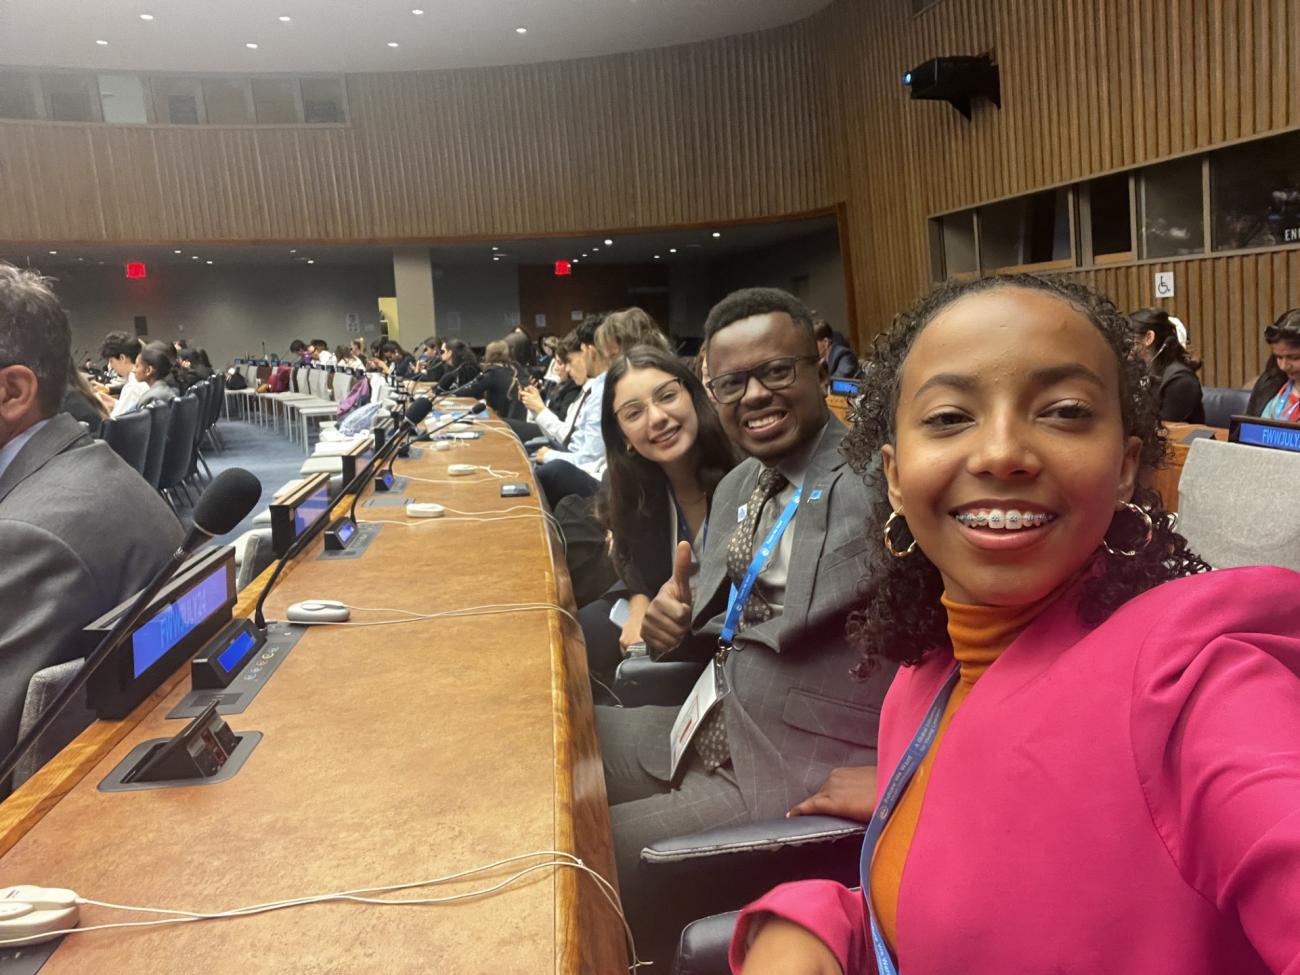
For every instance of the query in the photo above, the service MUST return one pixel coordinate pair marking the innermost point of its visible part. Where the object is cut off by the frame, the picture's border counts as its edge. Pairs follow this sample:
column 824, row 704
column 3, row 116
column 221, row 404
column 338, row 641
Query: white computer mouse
column 423, row 509
column 30, row 914
column 460, row 470
column 319, row 611
column 442, row 445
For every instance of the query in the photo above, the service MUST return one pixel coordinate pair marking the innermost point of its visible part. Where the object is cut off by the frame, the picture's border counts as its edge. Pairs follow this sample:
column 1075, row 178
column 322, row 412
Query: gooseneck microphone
column 410, row 423
column 225, row 503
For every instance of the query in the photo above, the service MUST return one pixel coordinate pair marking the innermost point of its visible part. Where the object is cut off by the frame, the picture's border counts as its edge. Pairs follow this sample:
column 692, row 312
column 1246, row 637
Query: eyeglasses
column 772, row 375
column 664, row 395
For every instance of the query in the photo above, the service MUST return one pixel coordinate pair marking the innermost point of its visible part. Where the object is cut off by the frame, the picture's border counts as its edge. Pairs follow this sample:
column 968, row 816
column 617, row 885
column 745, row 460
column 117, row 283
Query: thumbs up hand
column 668, row 619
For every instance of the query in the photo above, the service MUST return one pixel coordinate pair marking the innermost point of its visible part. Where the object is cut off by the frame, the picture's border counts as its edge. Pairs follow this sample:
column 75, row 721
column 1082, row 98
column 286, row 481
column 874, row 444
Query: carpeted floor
column 269, row 456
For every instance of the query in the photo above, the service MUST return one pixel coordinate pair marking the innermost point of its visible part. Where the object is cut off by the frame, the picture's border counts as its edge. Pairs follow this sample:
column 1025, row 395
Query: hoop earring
column 630, row 449
column 1147, row 528
column 889, row 542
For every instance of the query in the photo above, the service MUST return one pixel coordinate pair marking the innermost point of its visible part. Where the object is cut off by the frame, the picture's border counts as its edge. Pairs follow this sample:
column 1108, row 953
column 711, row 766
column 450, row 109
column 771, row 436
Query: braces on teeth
column 1011, row 520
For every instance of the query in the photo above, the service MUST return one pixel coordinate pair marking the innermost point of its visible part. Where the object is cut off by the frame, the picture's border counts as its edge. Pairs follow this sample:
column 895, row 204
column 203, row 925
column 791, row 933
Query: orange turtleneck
column 979, row 634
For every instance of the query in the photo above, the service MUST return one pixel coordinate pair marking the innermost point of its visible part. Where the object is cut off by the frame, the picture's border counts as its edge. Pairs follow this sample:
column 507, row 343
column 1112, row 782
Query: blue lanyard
column 907, row 767
column 739, row 596
column 1281, row 399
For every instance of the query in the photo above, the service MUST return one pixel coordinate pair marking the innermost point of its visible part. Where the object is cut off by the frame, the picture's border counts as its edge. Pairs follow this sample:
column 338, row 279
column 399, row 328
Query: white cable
column 488, row 609
column 565, row 860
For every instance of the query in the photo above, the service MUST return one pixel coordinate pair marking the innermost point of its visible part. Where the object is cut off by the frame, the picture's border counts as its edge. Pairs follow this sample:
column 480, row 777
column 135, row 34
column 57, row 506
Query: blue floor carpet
column 268, row 456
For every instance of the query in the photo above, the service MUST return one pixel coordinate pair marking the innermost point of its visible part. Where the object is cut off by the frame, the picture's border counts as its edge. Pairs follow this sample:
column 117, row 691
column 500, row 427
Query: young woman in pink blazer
column 1092, row 762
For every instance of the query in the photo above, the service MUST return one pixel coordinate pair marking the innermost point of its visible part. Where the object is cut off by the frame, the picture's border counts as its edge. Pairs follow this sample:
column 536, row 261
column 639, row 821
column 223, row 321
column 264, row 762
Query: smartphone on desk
column 517, row 490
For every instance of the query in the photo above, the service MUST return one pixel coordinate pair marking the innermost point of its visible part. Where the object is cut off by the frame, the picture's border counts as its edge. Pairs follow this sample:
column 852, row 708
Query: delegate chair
column 128, row 435
column 160, row 418
column 42, row 689
column 1222, row 404
column 178, row 455
column 1237, row 504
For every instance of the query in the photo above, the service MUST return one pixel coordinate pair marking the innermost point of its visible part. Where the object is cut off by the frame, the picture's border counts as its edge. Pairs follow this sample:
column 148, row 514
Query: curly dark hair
column 902, row 617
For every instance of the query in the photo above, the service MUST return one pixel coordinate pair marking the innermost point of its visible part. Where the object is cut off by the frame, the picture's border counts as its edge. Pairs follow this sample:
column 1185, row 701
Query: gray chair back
column 1237, row 504
column 128, row 435
column 178, row 455
column 42, row 689
column 160, row 418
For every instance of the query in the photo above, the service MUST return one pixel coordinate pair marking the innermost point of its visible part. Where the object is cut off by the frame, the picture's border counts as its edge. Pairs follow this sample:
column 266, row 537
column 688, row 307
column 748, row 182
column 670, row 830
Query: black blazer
column 652, row 545
column 498, row 384
column 562, row 397
column 1179, row 395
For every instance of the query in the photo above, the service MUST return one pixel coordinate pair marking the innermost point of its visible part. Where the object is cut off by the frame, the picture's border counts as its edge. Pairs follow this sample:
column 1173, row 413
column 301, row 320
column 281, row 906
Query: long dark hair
column 1167, row 348
column 630, row 479
column 902, row 617
column 158, row 357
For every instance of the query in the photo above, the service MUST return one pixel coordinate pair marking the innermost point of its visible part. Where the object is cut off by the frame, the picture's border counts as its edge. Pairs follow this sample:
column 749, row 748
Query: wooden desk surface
column 391, row 754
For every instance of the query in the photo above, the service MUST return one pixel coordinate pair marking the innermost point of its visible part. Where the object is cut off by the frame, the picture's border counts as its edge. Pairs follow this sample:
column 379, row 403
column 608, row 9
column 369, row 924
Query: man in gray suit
column 80, row 530
column 790, row 714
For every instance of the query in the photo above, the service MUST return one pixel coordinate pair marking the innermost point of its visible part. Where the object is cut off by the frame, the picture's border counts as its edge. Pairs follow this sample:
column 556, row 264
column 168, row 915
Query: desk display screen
column 1267, row 435
column 845, row 387
column 311, row 509
column 346, row 530
column 177, row 619
column 240, row 647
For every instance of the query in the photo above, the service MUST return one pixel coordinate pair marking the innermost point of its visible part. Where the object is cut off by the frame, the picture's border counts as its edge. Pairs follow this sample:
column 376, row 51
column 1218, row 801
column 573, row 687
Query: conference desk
column 391, row 754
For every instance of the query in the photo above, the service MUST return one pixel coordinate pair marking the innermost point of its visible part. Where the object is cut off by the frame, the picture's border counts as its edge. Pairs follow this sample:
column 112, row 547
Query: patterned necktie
column 711, row 739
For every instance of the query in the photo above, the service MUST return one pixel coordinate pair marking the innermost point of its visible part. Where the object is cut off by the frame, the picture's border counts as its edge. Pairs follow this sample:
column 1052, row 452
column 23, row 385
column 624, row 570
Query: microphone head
column 418, row 410
column 478, row 407
column 227, row 501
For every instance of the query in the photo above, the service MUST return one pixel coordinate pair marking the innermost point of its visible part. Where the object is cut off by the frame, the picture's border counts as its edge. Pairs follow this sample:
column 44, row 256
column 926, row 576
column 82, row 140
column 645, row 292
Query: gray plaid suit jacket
column 794, row 712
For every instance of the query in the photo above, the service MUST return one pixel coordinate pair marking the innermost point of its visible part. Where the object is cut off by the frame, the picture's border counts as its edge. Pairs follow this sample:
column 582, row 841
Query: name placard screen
column 311, row 509
column 1265, row 435
column 176, row 620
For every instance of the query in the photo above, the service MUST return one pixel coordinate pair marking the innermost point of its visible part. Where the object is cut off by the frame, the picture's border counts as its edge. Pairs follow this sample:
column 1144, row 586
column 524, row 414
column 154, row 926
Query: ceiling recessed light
column 175, row 252
column 672, row 250
column 285, row 20
column 194, row 257
column 53, row 252
column 293, row 250
column 392, row 43
column 311, row 260
column 209, row 262
column 418, row 12
column 521, row 30
column 146, row 16
column 609, row 243
column 102, row 43
column 251, row 46
column 494, row 247
column 716, row 234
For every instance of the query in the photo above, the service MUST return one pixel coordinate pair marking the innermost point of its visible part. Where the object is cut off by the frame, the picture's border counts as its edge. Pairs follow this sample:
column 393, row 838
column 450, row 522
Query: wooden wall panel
column 734, row 129
column 1088, row 86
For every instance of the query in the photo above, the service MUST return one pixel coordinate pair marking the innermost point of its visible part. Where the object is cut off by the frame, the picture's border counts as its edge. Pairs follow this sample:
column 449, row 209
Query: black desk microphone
column 225, row 503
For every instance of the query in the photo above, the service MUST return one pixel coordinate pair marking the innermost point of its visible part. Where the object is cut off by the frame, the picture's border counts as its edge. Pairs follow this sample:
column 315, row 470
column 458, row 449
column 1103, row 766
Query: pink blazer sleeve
column 829, row 910
column 1216, row 738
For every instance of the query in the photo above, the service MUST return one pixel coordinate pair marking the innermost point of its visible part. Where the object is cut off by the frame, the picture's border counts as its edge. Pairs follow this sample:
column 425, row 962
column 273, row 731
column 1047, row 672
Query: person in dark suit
column 59, row 489
column 498, row 383
column 1173, row 371
column 665, row 454
column 462, row 365
column 793, row 717
column 839, row 358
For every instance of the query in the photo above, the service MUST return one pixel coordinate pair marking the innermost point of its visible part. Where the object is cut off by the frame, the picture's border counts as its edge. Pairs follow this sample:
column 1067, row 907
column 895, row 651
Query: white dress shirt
column 130, row 395
column 557, row 429
column 586, row 449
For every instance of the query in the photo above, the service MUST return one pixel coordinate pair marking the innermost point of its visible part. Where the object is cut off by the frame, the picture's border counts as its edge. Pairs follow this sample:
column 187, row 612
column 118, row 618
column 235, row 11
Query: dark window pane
column 1030, row 229
column 274, row 101
column 176, row 101
column 17, row 98
column 1108, row 198
column 322, row 100
column 1255, row 193
column 958, row 230
column 71, row 97
column 225, row 102
column 1171, row 209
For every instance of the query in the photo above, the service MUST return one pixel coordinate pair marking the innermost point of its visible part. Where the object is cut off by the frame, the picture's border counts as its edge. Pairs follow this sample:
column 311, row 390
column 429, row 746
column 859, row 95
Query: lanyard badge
column 739, row 596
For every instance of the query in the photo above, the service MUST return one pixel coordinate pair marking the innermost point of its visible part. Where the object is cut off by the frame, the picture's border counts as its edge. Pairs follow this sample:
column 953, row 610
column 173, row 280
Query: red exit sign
column 563, row 269
column 135, row 269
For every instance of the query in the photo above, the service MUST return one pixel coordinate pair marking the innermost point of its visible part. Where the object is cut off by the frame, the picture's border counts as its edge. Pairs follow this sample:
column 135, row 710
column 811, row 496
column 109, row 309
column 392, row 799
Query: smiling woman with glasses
column 666, row 452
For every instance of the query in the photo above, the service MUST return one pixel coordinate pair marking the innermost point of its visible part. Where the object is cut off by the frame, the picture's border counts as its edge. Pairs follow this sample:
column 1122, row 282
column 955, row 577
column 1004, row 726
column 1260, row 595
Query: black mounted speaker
column 956, row 80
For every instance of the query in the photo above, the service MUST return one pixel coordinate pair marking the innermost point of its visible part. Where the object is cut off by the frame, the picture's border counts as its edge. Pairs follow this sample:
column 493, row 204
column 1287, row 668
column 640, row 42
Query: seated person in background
column 299, row 353
column 578, row 465
column 522, row 354
column 153, row 367
column 792, row 716
column 554, row 418
column 192, row 366
column 1276, row 395
column 81, row 402
column 461, row 365
column 60, row 491
column 431, row 366
column 320, row 353
column 665, row 453
column 1173, row 371
column 1118, row 789
column 498, row 383
column 840, row 361
column 626, row 329
column 121, row 350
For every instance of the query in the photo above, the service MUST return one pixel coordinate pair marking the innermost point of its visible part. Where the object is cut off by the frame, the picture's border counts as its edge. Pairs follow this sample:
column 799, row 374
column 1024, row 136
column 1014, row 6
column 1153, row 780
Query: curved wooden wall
column 727, row 130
